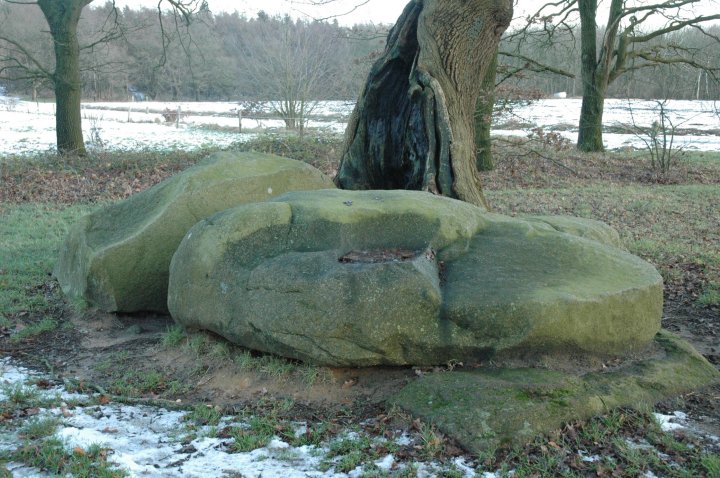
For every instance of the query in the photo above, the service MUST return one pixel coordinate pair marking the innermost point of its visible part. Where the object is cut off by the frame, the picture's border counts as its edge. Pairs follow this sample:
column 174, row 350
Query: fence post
column 129, row 108
column 239, row 120
column 177, row 119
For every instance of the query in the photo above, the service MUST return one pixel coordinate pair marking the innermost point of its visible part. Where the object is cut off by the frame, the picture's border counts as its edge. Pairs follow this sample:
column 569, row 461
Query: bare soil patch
column 112, row 353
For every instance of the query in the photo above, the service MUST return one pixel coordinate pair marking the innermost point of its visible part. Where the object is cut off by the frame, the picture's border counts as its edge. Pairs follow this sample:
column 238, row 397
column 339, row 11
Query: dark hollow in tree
column 413, row 126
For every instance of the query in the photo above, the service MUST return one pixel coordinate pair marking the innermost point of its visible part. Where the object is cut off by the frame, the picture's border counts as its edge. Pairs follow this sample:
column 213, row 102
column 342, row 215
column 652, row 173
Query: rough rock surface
column 118, row 257
column 350, row 278
column 484, row 409
column 582, row 227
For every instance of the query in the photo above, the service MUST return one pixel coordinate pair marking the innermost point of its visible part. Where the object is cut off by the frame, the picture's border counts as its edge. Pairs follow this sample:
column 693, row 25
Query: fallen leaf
column 453, row 450
column 43, row 383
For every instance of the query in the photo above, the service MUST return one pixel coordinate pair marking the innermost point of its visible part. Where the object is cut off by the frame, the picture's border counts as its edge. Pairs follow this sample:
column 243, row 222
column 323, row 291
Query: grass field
column 672, row 221
column 675, row 227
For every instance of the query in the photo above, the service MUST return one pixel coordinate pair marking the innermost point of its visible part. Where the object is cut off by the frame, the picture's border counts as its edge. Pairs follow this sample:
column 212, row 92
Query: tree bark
column 483, row 119
column 63, row 17
column 413, row 127
column 590, row 137
column 597, row 68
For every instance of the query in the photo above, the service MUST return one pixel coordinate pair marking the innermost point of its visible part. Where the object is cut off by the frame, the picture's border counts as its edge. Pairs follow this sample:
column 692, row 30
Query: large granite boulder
column 349, row 278
column 118, row 257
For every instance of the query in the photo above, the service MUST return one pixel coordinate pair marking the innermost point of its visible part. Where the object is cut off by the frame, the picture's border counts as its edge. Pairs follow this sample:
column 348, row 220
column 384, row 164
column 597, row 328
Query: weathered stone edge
column 483, row 410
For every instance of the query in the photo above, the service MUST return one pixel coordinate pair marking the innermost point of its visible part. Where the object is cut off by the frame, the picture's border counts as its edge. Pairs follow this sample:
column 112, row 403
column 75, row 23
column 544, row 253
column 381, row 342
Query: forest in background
column 229, row 57
column 217, row 57
column 532, row 62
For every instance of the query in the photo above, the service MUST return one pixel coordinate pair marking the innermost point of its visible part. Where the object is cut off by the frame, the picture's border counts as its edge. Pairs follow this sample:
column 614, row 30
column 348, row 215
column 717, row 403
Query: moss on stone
column 271, row 276
column 530, row 287
column 117, row 258
column 485, row 409
column 581, row 227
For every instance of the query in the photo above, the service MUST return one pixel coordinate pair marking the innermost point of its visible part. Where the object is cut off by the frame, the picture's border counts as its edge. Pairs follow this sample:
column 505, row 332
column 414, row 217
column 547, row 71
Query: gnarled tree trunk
column 413, row 127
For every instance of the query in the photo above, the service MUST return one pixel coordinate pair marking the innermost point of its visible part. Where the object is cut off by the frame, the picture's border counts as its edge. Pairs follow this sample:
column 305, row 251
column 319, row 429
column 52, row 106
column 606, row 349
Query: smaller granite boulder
column 117, row 258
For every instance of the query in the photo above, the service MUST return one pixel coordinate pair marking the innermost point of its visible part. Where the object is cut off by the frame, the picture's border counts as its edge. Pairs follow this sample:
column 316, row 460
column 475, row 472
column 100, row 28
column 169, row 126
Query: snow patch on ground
column 588, row 458
column 10, row 375
column 30, row 133
column 152, row 442
column 672, row 422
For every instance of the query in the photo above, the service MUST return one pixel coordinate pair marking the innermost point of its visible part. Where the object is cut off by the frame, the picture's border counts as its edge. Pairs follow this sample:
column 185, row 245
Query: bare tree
column 18, row 56
column 62, row 17
column 632, row 40
column 292, row 61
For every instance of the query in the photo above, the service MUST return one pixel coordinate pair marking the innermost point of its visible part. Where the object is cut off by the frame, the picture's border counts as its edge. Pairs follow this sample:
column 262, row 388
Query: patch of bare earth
column 107, row 352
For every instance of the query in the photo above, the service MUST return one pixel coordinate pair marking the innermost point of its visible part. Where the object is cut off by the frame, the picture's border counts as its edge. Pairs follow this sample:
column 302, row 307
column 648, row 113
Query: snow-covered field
column 697, row 122
column 27, row 127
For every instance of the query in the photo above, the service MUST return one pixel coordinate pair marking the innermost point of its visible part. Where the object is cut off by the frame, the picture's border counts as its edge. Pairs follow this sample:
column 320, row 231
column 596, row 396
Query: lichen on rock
column 277, row 277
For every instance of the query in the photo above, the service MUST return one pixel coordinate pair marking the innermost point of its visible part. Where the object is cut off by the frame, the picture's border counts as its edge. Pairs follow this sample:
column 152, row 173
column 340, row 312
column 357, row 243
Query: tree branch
column 654, row 8
column 534, row 66
column 547, row 19
column 675, row 26
column 327, row 2
column 41, row 71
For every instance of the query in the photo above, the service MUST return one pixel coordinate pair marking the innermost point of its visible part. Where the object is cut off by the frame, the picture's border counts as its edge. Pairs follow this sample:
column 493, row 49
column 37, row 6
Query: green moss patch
column 117, row 258
column 485, row 409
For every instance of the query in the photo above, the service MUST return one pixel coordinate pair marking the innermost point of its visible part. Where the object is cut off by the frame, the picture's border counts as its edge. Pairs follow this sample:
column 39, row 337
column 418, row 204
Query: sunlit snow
column 700, row 118
column 671, row 422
